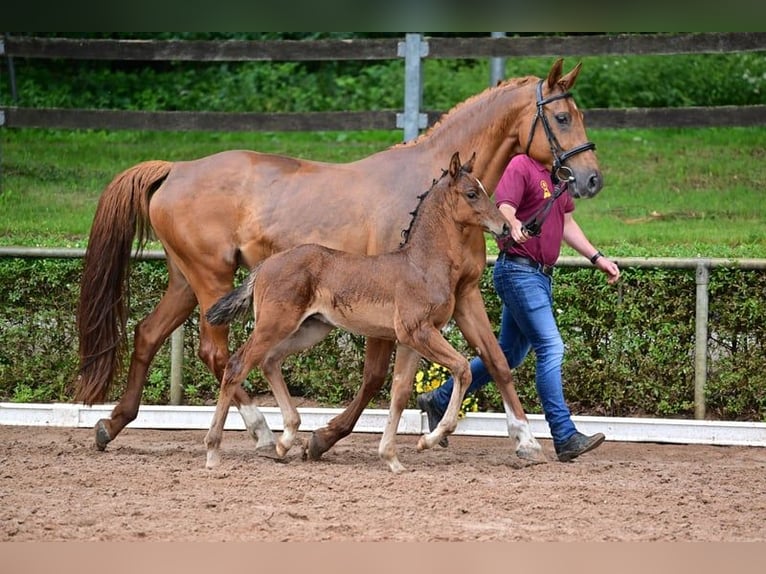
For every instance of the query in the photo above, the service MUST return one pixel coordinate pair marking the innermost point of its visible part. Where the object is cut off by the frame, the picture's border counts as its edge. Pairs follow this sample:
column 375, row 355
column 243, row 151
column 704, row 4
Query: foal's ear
column 454, row 165
column 468, row 166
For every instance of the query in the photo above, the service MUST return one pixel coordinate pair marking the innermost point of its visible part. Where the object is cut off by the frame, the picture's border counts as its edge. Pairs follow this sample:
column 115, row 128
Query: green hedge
column 629, row 348
column 306, row 86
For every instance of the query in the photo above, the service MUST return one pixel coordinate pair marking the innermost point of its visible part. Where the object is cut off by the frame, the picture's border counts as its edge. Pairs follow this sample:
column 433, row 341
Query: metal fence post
column 700, row 338
column 413, row 49
column 496, row 64
column 177, row 366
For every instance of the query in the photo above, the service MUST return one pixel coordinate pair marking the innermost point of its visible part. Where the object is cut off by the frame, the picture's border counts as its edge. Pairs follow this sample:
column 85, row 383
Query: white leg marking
column 257, row 426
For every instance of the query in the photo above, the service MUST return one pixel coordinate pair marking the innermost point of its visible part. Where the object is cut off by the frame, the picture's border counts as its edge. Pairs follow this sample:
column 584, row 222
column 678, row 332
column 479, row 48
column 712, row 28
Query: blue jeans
column 527, row 322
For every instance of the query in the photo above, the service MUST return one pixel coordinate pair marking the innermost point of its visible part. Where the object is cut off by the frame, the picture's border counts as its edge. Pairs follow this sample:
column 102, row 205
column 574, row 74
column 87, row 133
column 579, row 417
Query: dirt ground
column 152, row 485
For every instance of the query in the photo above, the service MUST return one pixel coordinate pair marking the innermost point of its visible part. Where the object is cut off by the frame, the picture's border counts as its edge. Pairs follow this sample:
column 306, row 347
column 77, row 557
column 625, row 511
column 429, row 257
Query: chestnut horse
column 236, row 208
column 405, row 296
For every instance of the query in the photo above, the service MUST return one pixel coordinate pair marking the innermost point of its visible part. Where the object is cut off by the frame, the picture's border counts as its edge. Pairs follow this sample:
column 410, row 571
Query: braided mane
column 415, row 212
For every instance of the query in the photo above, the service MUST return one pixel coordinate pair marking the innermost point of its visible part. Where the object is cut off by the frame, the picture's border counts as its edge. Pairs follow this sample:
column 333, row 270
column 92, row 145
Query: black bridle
column 560, row 173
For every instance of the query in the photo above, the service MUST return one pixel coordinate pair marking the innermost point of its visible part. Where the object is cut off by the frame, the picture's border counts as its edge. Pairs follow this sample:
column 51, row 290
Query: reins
column 560, row 174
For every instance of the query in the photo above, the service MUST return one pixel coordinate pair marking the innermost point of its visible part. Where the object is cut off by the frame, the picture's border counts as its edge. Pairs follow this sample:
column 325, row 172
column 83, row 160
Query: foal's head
column 459, row 199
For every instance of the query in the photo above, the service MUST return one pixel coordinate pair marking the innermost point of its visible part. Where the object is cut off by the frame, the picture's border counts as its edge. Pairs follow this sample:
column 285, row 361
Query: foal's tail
column 122, row 215
column 235, row 304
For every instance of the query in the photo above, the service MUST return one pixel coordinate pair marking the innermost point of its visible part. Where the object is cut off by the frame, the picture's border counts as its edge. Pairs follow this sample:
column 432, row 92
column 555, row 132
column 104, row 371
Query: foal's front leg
column 401, row 389
column 431, row 344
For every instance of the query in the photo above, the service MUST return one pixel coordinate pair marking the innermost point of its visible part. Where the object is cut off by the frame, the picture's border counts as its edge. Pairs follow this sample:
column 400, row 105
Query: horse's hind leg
column 401, row 389
column 376, row 363
column 175, row 306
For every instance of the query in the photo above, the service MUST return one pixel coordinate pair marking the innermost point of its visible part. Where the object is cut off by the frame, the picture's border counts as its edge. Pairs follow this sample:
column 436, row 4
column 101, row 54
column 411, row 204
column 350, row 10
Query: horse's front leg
column 401, row 389
column 471, row 318
column 376, row 363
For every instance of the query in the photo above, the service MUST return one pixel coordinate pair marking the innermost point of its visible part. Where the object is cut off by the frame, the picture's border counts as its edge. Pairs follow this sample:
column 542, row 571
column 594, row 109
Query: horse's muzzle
column 594, row 182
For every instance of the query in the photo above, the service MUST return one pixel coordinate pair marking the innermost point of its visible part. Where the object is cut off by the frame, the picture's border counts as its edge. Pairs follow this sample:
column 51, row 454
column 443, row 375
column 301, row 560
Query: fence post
column 177, row 366
column 496, row 64
column 413, row 49
column 700, row 338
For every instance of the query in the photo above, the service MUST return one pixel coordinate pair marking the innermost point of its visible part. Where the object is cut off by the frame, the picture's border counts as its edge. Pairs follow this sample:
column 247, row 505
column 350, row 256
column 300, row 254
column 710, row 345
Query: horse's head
column 471, row 203
column 556, row 134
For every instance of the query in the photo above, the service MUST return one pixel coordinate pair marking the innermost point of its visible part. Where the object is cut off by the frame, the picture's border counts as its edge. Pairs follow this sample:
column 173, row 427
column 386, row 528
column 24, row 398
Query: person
column 523, row 279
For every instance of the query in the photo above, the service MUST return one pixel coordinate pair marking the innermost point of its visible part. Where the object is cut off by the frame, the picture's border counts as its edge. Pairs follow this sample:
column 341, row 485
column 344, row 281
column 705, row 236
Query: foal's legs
column 309, row 334
column 214, row 352
column 431, row 344
column 237, row 368
column 401, row 388
column 273, row 339
column 376, row 364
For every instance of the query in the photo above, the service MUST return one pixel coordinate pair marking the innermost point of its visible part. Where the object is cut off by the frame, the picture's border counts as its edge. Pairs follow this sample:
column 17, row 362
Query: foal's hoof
column 532, row 455
column 102, row 435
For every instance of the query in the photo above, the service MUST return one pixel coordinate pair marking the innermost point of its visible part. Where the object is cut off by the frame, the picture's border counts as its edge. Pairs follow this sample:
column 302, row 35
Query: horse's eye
column 562, row 118
column 471, row 195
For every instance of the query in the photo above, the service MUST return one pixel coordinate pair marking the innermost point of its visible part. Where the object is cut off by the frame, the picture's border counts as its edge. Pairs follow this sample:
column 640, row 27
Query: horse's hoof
column 532, row 455
column 268, row 451
column 102, row 435
column 314, row 450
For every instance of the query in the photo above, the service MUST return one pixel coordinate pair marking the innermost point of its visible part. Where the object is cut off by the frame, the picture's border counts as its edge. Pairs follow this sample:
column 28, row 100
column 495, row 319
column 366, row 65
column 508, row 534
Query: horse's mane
column 509, row 84
column 415, row 212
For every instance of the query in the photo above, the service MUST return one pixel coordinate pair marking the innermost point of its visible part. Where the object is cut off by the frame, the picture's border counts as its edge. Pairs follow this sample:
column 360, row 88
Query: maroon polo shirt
column 526, row 184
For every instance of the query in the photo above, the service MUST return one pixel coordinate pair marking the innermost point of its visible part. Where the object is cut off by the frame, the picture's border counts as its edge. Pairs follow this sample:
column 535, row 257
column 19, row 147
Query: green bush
column 629, row 348
column 606, row 81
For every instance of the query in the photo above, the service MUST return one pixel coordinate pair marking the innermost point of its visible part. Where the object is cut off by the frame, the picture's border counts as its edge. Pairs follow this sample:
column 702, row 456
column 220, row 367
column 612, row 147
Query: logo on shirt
column 545, row 188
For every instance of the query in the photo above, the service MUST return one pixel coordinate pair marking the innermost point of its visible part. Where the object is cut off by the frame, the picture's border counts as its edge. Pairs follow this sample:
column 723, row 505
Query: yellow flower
column 433, row 377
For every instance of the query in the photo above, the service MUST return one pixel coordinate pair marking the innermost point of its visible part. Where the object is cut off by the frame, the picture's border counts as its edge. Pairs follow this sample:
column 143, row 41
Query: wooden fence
column 412, row 49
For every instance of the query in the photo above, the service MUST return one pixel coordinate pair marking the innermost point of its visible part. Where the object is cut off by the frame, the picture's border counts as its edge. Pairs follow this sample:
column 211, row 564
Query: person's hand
column 519, row 232
column 610, row 268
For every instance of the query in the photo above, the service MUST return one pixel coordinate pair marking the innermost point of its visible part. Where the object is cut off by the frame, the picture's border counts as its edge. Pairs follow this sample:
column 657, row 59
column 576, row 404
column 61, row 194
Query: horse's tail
column 121, row 216
column 235, row 304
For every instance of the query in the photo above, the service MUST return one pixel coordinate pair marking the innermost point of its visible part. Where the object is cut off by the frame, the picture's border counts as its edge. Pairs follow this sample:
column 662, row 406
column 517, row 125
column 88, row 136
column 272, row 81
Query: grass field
column 680, row 192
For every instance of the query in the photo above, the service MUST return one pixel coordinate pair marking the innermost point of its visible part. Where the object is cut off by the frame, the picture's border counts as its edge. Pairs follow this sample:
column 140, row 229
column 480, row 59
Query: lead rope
column 534, row 224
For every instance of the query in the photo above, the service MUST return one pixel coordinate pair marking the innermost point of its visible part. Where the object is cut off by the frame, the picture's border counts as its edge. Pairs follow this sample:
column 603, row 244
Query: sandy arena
column 153, row 485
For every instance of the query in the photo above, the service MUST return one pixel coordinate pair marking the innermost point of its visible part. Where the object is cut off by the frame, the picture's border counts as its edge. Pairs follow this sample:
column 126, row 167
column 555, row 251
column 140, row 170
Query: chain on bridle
column 560, row 173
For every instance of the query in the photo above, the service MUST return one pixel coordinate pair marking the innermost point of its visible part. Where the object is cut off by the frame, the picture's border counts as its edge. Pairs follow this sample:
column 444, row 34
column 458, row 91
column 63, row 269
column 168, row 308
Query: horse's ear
column 468, row 166
column 569, row 80
column 454, row 165
column 555, row 74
